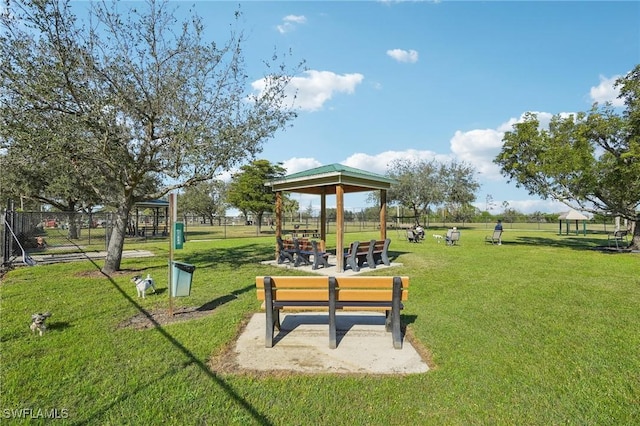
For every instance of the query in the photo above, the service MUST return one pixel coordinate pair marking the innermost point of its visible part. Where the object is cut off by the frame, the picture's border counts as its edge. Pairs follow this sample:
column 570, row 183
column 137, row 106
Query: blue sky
column 444, row 80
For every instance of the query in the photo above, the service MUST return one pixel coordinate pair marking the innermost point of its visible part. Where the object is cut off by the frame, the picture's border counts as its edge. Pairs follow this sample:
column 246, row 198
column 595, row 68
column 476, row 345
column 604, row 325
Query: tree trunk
column 72, row 232
column 116, row 242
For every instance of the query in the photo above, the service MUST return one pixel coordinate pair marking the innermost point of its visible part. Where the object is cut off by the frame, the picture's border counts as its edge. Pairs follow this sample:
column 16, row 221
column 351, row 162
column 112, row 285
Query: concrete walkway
column 332, row 271
column 44, row 259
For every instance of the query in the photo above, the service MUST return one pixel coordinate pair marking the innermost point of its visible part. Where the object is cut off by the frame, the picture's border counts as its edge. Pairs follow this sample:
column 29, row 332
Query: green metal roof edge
column 336, row 168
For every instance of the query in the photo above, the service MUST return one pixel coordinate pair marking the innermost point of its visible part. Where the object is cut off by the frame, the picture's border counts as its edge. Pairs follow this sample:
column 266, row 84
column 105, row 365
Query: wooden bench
column 307, row 248
column 333, row 293
column 371, row 252
column 618, row 237
column 355, row 256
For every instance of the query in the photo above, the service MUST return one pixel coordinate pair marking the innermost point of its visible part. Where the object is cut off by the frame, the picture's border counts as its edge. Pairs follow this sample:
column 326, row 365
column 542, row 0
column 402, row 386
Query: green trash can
column 181, row 276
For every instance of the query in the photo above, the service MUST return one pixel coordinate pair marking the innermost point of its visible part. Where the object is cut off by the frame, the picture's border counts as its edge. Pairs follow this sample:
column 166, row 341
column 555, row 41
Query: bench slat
column 369, row 282
column 352, row 295
column 294, row 282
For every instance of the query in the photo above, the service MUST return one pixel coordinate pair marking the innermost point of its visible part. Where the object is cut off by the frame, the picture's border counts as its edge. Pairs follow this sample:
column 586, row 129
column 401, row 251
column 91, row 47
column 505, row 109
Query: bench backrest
column 379, row 245
column 353, row 247
column 295, row 288
column 316, row 288
column 620, row 234
column 304, row 245
column 368, row 289
column 453, row 235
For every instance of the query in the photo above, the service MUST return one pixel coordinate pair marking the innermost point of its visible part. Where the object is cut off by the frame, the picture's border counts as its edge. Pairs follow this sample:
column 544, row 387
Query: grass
column 541, row 330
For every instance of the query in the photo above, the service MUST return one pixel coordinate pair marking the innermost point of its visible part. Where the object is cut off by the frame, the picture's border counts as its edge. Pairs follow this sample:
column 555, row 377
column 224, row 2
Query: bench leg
column 351, row 261
column 272, row 319
column 395, row 313
column 333, row 341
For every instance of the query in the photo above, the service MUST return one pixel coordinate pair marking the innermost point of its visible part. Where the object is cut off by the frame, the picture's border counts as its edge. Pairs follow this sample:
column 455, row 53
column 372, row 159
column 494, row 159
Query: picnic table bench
column 333, row 293
column 299, row 251
column 286, row 250
column 370, row 252
column 307, row 248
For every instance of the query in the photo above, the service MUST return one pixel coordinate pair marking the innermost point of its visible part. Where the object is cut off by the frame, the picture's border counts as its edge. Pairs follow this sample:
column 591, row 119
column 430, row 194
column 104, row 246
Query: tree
column 159, row 107
column 206, row 199
column 247, row 191
column 590, row 160
column 419, row 185
column 460, row 186
column 290, row 207
column 423, row 183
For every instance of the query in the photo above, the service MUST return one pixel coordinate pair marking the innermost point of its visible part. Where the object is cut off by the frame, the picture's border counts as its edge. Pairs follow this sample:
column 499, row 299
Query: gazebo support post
column 278, row 219
column 339, row 227
column 383, row 214
column 323, row 219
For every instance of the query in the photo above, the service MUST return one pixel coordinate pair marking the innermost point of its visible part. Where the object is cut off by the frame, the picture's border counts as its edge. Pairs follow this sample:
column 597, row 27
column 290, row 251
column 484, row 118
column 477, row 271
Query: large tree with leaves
column 589, row 160
column 205, row 199
column 247, row 191
column 158, row 107
column 423, row 184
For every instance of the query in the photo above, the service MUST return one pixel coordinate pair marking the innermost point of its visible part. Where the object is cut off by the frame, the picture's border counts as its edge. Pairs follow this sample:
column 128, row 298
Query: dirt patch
column 161, row 317
column 96, row 273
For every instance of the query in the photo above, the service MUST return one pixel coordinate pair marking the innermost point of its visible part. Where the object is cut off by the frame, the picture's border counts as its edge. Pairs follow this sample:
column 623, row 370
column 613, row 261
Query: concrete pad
column 302, row 345
column 332, row 270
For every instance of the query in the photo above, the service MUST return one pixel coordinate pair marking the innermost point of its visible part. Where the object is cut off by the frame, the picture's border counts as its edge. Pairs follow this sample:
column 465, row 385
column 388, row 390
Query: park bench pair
column 300, row 251
column 372, row 253
column 333, row 293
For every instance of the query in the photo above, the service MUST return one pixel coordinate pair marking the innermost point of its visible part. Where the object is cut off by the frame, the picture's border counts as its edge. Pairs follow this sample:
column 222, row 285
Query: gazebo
column 573, row 216
column 338, row 180
column 160, row 209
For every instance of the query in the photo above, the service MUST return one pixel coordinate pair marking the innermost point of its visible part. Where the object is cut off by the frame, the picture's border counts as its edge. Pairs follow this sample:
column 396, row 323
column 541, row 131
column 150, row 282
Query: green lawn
column 541, row 330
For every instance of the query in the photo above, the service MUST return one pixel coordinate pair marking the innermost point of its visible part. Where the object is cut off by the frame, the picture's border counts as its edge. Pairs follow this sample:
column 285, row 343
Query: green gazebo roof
column 324, row 179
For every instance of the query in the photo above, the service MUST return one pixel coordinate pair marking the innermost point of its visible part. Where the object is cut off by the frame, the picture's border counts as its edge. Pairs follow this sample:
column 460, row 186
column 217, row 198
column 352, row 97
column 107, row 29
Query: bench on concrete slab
column 307, row 248
column 355, row 256
column 332, row 294
column 380, row 252
column 371, row 252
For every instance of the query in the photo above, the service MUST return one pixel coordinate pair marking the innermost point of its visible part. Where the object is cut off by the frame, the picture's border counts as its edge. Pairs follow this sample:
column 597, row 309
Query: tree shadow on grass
column 574, row 243
column 231, row 256
column 192, row 359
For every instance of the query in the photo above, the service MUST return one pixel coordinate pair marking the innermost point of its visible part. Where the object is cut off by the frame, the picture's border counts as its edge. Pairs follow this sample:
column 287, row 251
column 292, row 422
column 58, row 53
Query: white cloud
column 295, row 165
column 400, row 55
column 606, row 92
column 314, row 88
column 290, row 22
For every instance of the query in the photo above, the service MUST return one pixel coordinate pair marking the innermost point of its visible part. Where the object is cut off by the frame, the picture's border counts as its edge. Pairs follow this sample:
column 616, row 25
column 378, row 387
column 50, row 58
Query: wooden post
column 383, row 214
column 339, row 227
column 278, row 220
column 323, row 220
